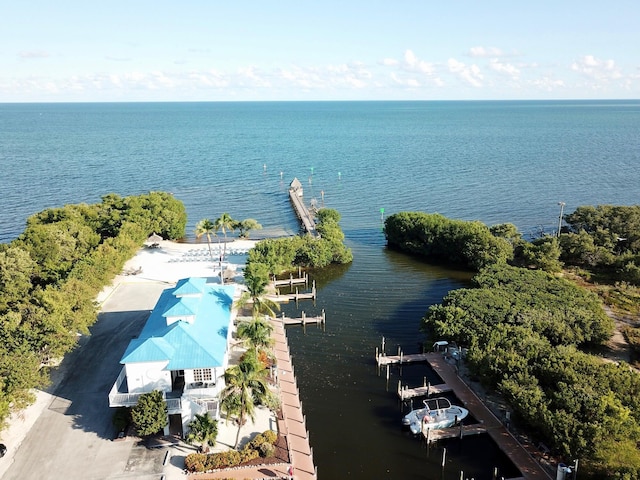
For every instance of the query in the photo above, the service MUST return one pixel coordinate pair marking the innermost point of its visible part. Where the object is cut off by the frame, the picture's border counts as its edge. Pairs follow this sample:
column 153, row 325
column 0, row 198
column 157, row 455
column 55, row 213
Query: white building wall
column 148, row 376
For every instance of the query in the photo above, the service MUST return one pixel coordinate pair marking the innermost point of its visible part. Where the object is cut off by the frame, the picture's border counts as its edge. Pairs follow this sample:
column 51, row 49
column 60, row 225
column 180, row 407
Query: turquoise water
column 492, row 161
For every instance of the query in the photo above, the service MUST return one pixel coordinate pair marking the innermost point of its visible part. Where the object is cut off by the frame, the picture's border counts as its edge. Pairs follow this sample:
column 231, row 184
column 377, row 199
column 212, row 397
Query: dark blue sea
column 509, row 161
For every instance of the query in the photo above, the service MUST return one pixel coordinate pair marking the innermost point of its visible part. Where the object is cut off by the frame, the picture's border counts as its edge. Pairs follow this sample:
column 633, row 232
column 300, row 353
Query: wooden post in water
column 444, row 456
column 495, row 473
column 424, row 381
column 382, row 349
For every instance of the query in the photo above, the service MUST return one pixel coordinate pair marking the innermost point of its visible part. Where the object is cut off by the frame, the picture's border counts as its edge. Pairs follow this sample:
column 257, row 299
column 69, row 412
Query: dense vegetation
column 528, row 330
column 604, row 239
column 523, row 330
column 51, row 274
column 433, row 236
column 306, row 251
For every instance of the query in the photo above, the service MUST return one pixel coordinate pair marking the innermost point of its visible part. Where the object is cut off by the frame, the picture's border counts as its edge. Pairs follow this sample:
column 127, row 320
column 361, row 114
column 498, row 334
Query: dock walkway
column 521, row 458
column 307, row 219
column 292, row 426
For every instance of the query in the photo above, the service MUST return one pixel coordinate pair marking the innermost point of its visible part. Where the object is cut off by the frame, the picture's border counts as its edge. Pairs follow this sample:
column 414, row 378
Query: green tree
column 16, row 271
column 246, row 387
column 203, row 429
column 206, row 227
column 150, row 414
column 245, row 226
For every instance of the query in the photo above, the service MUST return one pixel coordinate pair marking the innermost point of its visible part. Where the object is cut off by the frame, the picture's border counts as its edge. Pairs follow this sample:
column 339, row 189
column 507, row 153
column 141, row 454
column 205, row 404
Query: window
column 202, row 375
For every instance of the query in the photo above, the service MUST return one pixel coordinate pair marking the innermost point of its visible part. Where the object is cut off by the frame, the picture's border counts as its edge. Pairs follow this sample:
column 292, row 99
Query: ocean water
column 491, row 161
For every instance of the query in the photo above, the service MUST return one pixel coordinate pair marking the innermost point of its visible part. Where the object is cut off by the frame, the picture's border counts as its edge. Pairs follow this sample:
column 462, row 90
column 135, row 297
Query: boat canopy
column 439, row 403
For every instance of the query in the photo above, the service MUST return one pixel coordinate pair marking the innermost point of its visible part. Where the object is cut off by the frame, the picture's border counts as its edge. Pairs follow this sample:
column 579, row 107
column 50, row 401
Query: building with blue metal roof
column 182, row 350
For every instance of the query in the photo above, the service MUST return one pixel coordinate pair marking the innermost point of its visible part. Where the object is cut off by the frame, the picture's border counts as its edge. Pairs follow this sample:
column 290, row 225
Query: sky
column 282, row 50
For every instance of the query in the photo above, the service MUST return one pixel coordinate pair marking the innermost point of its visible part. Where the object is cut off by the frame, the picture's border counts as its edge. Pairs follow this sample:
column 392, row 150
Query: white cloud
column 33, row 54
column 592, row 67
column 485, row 52
column 413, row 64
column 548, row 84
column 470, row 74
column 504, row 68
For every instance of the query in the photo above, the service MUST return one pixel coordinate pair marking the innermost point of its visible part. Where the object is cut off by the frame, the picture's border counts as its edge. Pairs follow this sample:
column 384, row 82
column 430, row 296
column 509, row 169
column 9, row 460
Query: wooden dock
column 519, row 455
column 459, row 431
column 400, row 359
column 307, row 219
column 296, row 296
column 303, row 320
column 301, row 279
column 406, row 393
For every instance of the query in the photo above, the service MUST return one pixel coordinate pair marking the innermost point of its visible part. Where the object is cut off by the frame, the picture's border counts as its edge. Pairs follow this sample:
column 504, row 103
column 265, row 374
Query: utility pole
column 562, row 204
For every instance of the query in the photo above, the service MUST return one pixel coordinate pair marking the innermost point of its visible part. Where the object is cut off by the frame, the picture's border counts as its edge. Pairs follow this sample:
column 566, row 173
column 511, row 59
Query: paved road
column 72, row 437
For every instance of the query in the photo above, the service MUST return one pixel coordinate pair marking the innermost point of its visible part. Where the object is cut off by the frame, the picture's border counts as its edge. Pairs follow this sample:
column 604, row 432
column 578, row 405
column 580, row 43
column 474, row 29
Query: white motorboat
column 437, row 413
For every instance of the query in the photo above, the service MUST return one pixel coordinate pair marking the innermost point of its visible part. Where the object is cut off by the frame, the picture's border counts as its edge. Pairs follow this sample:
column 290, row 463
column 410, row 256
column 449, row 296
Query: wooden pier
column 400, row 359
column 406, row 393
column 521, row 457
column 303, row 320
column 301, row 279
column 297, row 295
column 307, row 219
column 458, row 431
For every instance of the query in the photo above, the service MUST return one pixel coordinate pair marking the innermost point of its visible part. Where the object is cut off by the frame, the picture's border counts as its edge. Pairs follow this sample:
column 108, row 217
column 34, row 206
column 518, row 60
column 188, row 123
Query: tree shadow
column 82, row 382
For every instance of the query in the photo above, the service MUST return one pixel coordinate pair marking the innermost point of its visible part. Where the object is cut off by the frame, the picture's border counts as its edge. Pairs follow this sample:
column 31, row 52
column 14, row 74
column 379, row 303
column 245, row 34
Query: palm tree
column 204, row 430
column 256, row 279
column 208, row 228
column 246, row 387
column 225, row 223
column 257, row 334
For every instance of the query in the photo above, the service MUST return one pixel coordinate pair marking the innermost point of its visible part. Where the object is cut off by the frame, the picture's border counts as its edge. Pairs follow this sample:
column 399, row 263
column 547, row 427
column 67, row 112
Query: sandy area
column 171, row 261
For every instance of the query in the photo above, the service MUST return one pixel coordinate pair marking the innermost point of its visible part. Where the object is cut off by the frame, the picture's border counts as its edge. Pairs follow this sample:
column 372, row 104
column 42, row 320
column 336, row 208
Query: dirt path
column 618, row 349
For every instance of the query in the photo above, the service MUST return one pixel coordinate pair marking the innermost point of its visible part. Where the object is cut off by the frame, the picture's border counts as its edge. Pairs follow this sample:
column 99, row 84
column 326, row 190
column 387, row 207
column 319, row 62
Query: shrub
column 195, row 462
